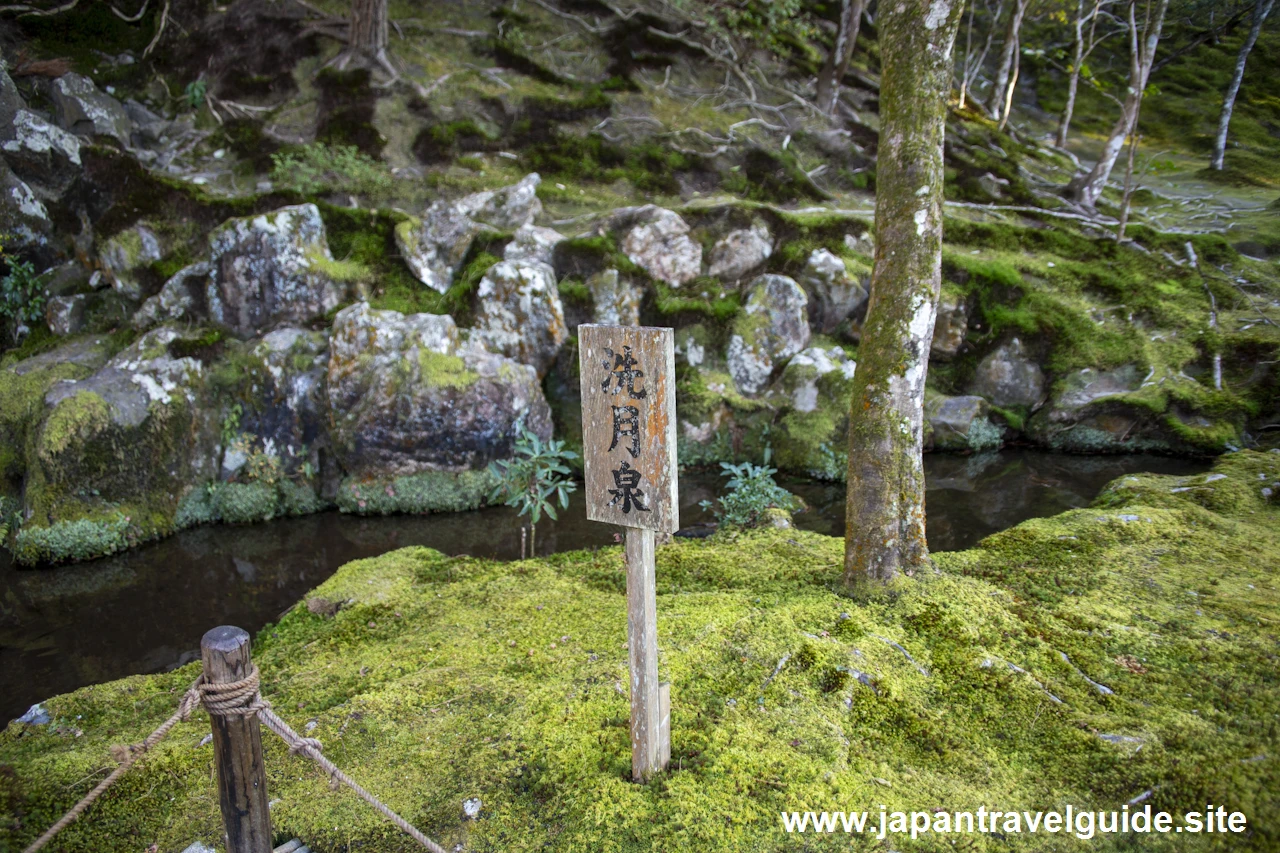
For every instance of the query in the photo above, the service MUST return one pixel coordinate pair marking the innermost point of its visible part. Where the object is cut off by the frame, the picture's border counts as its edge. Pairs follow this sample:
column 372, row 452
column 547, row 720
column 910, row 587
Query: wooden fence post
column 237, row 748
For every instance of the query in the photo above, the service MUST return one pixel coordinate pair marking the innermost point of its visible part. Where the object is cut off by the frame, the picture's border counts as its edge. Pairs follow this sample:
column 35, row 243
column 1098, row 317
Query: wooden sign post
column 629, row 453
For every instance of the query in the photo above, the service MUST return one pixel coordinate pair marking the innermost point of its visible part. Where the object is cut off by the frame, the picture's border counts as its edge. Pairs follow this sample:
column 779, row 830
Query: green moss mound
column 441, row 679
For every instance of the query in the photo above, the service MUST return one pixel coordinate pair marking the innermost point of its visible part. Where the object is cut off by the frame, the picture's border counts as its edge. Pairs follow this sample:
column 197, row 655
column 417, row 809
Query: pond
column 145, row 610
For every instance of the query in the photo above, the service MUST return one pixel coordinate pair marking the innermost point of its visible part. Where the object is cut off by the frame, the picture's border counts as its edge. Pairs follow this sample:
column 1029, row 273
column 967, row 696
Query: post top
column 224, row 638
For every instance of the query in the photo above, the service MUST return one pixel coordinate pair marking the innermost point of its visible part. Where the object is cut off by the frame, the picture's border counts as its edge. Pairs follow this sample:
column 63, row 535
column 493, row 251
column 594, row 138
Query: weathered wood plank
column 629, row 425
column 237, row 748
column 642, row 645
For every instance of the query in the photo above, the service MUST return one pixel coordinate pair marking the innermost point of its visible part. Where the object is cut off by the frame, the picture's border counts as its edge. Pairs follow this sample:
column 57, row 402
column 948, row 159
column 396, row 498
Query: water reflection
column 145, row 610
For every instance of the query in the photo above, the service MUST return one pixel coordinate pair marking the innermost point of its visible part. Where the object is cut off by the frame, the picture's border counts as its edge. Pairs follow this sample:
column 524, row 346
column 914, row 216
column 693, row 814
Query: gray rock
column 519, row 314
column 23, row 217
column 435, row 245
column 1086, row 386
column 740, row 253
column 264, row 271
column 1008, row 377
column 657, row 240
column 288, row 414
column 833, row 294
column 507, row 208
column 177, row 299
column 42, row 154
column 773, row 327
column 131, row 435
column 407, row 394
column 10, row 98
column 960, row 423
column 995, row 187
column 127, row 253
column 36, row 716
column 533, row 244
column 148, row 128
column 616, row 300
column 799, row 380
column 81, row 108
column 950, row 327
column 65, row 314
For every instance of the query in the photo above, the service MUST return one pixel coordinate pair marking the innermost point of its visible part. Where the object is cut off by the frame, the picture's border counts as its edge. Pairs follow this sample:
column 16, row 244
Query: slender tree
column 1008, row 55
column 841, row 52
column 1087, row 188
column 971, row 65
column 1082, row 47
column 884, row 532
column 1261, row 9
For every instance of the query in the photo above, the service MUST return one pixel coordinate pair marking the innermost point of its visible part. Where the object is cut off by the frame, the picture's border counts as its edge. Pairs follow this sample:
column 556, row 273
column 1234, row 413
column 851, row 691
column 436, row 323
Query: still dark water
column 145, row 610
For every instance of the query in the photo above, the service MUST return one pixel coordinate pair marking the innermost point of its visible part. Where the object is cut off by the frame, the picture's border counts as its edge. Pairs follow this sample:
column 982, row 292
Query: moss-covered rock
column 394, row 379
column 1084, row 659
column 125, row 442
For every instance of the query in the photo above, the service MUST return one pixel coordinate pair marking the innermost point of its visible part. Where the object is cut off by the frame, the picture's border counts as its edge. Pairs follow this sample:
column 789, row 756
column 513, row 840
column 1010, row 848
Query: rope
column 234, row 699
column 242, row 699
column 189, row 701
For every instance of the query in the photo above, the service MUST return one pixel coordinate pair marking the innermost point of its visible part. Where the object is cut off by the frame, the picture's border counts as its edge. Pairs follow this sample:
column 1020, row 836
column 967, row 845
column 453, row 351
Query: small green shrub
column 21, row 302
column 751, row 492
column 64, row 541
column 536, row 479
column 245, row 503
column 193, row 95
column 418, row 494
column 317, row 168
column 299, row 499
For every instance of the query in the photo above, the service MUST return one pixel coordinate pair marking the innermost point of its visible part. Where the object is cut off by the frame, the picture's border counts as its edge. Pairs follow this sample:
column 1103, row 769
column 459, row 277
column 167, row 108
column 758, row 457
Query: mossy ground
column 442, row 679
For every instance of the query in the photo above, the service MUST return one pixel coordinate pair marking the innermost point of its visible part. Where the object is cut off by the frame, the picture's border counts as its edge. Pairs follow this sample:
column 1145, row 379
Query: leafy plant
column 193, row 96
column 317, row 168
column 751, row 491
column 21, row 301
column 534, row 480
column 231, row 424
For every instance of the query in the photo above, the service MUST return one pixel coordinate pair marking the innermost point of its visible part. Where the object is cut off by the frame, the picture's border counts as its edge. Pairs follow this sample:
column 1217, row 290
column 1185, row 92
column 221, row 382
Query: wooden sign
column 629, row 425
column 629, row 452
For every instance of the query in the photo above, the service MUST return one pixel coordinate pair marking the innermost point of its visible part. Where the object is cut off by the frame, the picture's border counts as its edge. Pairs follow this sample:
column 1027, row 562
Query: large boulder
column 740, row 253
column 285, row 410
column 833, row 293
column 799, row 381
column 267, row 271
column 126, row 254
column 10, row 98
column 657, row 240
column 507, row 208
column 616, row 300
column 24, row 219
column 115, row 453
column 434, row 246
column 42, row 154
column 519, row 314
column 407, row 394
column 533, row 244
column 81, row 108
column 950, row 328
column 1008, row 377
column 177, row 299
column 64, row 315
column 959, row 423
column 773, row 326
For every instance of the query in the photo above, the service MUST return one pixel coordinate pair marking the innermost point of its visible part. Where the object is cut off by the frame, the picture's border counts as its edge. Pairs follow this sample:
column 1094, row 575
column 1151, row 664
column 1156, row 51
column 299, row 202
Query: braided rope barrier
column 233, row 699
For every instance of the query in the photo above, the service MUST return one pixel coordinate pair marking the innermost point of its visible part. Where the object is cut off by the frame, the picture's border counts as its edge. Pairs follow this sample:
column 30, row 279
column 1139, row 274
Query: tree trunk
column 1088, row 188
column 369, row 28
column 885, row 533
column 1260, row 12
column 1077, row 59
column 996, row 104
column 1013, row 85
column 841, row 52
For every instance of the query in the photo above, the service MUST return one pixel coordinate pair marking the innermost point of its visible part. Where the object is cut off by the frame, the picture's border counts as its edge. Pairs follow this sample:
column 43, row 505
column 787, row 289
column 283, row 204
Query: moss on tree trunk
column 885, row 531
